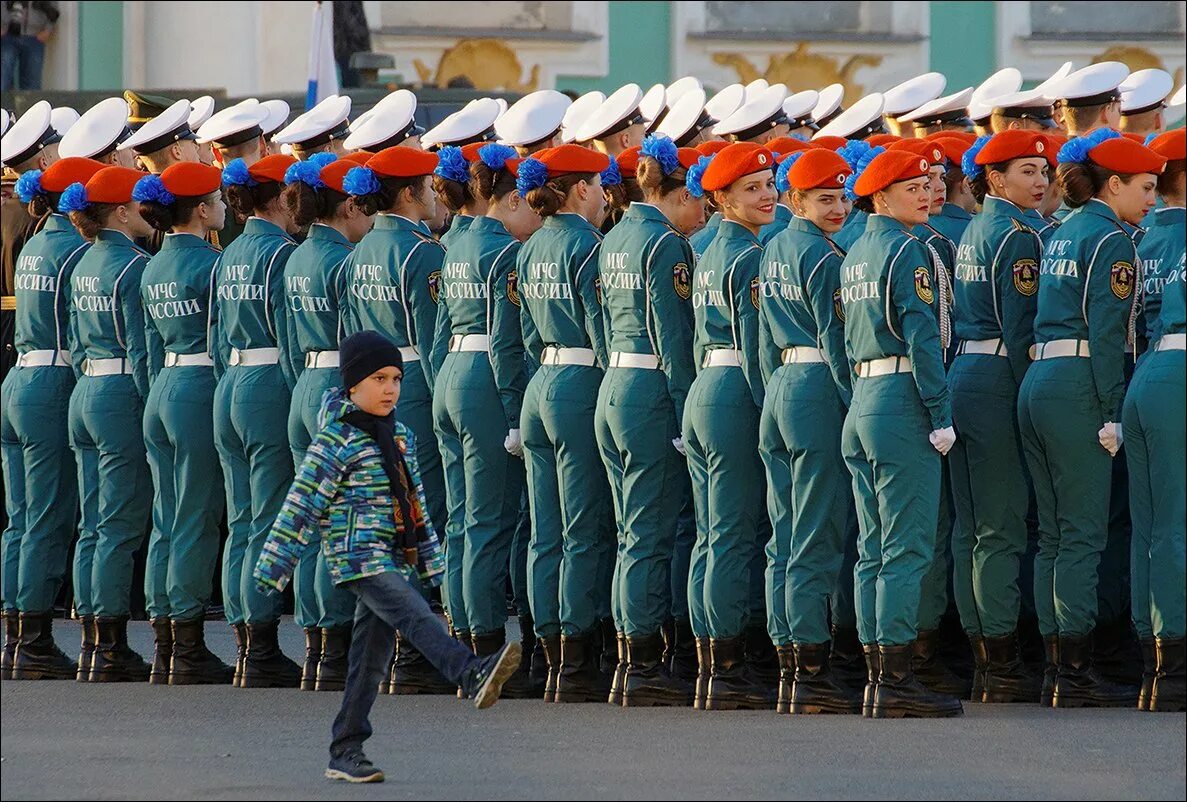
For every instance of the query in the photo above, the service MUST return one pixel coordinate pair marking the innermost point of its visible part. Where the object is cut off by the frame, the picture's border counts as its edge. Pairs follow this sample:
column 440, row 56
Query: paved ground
column 65, row 740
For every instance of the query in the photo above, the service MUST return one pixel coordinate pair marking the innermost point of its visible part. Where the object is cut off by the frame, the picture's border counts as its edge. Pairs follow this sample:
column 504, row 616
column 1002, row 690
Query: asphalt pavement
column 80, row 741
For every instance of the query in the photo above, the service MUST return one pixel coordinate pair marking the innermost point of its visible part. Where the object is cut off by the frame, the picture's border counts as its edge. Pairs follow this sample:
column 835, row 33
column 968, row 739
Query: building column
column 640, row 46
column 963, row 41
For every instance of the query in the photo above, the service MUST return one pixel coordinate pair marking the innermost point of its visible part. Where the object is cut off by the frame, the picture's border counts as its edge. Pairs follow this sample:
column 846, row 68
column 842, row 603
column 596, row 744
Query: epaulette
column 837, row 249
column 1020, row 225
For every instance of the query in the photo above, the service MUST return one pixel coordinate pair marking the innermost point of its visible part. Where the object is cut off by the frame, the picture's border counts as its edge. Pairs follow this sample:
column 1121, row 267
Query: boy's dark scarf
column 410, row 529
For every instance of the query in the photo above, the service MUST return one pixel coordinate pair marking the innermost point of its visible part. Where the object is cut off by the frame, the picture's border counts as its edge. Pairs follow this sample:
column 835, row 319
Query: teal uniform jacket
column 177, row 291
column 721, row 436
column 476, row 401
column 560, row 290
column 315, row 283
column 701, row 239
column 783, row 216
column 952, row 221
column 252, row 406
column 800, row 430
column 995, row 286
column 890, row 302
column 1155, row 439
column 40, row 479
column 1087, row 289
column 855, row 226
column 393, row 280
column 1042, row 226
column 107, row 320
column 646, row 266
column 457, row 225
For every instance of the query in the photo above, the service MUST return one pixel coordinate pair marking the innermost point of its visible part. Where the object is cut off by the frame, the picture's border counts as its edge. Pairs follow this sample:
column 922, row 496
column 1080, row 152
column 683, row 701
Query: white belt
column 994, row 347
column 106, row 367
column 173, row 360
column 556, row 355
column 321, row 359
column 43, row 359
column 621, row 359
column 1172, row 342
column 1058, row 348
column 722, row 358
column 884, row 366
column 250, row 357
column 409, row 353
column 468, row 343
column 801, row 354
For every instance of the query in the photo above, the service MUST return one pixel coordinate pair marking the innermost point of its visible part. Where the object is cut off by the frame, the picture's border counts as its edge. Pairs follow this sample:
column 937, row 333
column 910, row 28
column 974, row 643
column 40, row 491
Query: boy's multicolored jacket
column 341, row 487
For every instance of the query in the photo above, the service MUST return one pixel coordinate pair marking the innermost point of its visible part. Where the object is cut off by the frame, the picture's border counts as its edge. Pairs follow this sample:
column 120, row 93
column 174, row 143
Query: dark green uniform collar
column 1101, row 209
column 321, row 231
column 882, row 222
column 113, row 237
column 397, row 222
column 258, row 225
column 1003, row 208
column 733, row 230
column 955, row 212
column 646, row 211
column 175, row 241
column 1169, row 216
column 568, row 220
column 488, row 225
column 806, row 226
column 57, row 222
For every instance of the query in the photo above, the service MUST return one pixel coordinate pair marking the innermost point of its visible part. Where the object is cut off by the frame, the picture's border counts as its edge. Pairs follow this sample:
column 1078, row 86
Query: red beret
column 359, row 157
column 470, row 152
column 113, row 184
column 628, row 161
column 332, row 174
column 1015, row 144
column 784, row 146
column 830, row 142
column 688, row 156
column 819, row 168
column 402, row 162
column 889, row 168
column 1170, row 146
column 954, row 148
column 272, row 168
column 70, row 170
column 920, row 147
column 191, row 179
column 733, row 162
column 566, row 159
column 966, row 136
column 1123, row 155
column 882, row 140
column 712, row 147
column 1141, row 140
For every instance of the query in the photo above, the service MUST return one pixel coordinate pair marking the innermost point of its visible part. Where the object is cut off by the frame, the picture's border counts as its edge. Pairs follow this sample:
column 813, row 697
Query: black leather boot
column 12, row 635
column 1149, row 669
column 86, row 650
column 114, row 660
column 1007, row 679
column 1050, row 668
column 240, row 631
column 704, row 671
column 193, row 663
column 980, row 661
column 873, row 672
column 930, row 670
column 761, row 657
column 618, row 678
column 37, row 655
column 1169, row 694
column 815, row 689
column 413, row 675
column 667, row 631
column 518, row 686
column 901, row 695
column 579, row 679
column 162, row 630
column 313, row 647
column 533, row 666
column 462, row 636
column 335, row 650
column 608, row 662
column 264, row 665
column 648, row 681
column 848, row 659
column 684, row 655
column 786, row 655
column 1079, row 684
column 1115, row 652
column 733, row 685
column 552, row 657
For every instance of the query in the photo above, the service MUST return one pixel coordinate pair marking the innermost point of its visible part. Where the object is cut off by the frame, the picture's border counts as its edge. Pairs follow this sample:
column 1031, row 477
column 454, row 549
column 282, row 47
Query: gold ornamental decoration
column 801, row 70
column 488, row 64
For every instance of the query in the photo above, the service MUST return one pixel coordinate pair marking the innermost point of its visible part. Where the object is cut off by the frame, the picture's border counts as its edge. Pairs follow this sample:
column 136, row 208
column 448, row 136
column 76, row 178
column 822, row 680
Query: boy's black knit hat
column 361, row 354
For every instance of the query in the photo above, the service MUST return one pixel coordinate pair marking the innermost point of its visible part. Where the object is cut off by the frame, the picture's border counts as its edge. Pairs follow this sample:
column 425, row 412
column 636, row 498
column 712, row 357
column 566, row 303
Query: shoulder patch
column 1121, row 279
column 923, row 285
column 755, row 289
column 598, row 289
column 1026, row 276
column 682, row 280
column 838, row 307
column 513, row 287
column 434, row 282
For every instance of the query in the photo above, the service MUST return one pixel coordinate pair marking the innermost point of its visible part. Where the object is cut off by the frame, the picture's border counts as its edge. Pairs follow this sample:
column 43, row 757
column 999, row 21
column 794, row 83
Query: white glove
column 679, row 445
column 1110, row 437
column 514, row 443
column 942, row 440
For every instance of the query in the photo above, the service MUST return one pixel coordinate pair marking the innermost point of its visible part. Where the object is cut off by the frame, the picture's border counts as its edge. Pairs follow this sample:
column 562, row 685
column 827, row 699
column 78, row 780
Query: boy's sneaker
column 493, row 671
column 353, row 767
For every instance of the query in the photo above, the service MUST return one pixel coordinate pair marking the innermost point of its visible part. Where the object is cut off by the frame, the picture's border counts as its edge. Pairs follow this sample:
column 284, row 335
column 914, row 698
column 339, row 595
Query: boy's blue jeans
column 388, row 602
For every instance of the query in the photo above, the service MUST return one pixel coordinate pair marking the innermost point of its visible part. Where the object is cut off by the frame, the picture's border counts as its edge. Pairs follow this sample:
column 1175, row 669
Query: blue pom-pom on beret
column 74, row 199
column 532, row 174
column 692, row 179
column 452, row 165
column 663, row 150
column 237, row 174
column 360, row 181
column 306, row 172
column 28, row 186
column 151, row 189
column 495, row 156
column 968, row 162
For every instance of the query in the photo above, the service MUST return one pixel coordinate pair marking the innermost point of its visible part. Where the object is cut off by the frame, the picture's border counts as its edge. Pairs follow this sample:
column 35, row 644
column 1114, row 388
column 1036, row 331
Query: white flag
column 323, row 72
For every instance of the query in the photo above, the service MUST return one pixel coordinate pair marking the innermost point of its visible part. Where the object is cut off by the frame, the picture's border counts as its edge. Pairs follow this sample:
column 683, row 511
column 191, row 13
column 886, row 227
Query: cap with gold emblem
column 142, row 107
column 169, row 126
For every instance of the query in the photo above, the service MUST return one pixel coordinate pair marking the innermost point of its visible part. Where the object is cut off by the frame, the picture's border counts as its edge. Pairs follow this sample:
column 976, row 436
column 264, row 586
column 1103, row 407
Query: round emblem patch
column 682, row 281
column 1121, row 279
column 923, row 165
column 1039, row 146
column 762, row 158
column 513, row 287
column 1026, row 276
column 434, row 282
column 937, row 156
column 923, row 285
